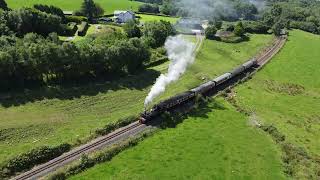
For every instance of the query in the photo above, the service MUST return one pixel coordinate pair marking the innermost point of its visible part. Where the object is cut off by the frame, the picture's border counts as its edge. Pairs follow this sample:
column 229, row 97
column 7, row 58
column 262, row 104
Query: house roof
column 119, row 12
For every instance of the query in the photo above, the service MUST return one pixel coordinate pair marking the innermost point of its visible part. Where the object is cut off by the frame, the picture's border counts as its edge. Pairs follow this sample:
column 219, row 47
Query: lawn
column 93, row 30
column 216, row 142
column 53, row 115
column 146, row 18
column 72, row 5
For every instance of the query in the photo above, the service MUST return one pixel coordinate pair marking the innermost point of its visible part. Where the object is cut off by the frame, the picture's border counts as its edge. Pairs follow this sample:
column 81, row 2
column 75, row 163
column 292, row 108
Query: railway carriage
column 188, row 95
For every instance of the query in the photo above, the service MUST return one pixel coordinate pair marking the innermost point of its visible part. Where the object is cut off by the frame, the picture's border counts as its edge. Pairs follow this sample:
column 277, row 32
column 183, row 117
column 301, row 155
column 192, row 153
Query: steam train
column 202, row 90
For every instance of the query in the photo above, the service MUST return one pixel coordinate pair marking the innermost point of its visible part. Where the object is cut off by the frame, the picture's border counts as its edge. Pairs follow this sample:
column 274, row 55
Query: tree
column 277, row 27
column 238, row 29
column 99, row 11
column 149, row 8
column 91, row 9
column 3, row 5
column 132, row 30
column 211, row 32
column 156, row 33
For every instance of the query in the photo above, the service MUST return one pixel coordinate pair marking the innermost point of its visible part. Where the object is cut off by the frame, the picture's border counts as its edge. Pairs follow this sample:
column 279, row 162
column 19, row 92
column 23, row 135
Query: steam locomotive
column 188, row 95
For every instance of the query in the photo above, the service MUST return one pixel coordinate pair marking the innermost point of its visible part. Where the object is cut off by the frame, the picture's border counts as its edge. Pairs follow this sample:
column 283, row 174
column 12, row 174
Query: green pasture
column 287, row 94
column 71, row 5
column 214, row 142
column 146, row 18
column 218, row 142
column 66, row 113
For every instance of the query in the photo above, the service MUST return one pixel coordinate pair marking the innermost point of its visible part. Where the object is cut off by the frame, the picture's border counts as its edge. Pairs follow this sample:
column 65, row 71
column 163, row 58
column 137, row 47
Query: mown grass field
column 219, row 142
column 146, row 18
column 54, row 115
column 71, row 5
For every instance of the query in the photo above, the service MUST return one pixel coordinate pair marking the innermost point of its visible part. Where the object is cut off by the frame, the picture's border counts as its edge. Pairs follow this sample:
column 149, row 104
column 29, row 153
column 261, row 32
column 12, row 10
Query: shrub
column 113, row 126
column 70, row 29
column 305, row 26
column 274, row 132
column 77, row 19
column 230, row 27
column 233, row 39
column 132, row 30
column 83, row 28
column 34, row 157
column 238, row 29
column 255, row 27
column 149, row 8
column 211, row 32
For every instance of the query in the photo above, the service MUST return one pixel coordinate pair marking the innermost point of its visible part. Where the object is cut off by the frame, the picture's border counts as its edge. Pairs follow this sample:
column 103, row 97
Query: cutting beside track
column 143, row 123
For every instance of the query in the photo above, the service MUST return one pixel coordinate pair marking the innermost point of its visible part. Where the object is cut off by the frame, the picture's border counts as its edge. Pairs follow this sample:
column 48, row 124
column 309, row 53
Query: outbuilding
column 124, row 16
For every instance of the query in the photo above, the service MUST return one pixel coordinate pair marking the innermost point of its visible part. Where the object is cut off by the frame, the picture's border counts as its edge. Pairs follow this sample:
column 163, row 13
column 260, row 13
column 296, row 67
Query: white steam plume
column 181, row 54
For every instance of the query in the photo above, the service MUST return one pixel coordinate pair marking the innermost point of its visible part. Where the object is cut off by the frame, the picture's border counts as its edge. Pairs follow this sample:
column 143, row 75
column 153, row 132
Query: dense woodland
column 277, row 14
column 32, row 54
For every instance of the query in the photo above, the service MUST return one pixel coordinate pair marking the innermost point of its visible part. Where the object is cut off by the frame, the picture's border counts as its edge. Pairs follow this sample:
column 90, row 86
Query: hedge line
column 113, row 126
column 97, row 158
column 83, row 28
column 43, row 154
column 34, row 157
column 77, row 19
column 154, row 14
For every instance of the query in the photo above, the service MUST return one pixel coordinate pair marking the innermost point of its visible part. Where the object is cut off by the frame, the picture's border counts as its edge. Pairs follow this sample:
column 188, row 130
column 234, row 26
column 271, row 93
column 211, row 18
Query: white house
column 123, row 16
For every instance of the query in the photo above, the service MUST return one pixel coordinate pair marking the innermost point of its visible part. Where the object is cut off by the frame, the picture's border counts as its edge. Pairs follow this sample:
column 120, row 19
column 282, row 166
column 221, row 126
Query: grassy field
column 72, row 5
column 53, row 115
column 287, row 95
column 146, row 18
column 218, row 142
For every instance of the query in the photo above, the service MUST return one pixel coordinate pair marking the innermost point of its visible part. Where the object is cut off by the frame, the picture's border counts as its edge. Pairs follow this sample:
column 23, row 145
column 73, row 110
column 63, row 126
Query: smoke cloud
column 181, row 54
column 205, row 8
column 213, row 8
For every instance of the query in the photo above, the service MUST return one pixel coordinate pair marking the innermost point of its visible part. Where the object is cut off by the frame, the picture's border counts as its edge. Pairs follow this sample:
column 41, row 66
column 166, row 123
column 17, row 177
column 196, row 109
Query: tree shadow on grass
column 173, row 118
column 76, row 90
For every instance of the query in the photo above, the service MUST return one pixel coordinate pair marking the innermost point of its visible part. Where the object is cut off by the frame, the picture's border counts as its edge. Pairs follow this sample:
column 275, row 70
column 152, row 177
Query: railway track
column 109, row 139
column 120, row 134
column 262, row 60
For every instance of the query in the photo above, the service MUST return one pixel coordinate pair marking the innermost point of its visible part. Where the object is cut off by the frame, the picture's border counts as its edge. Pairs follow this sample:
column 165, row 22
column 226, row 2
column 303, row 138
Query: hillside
column 72, row 5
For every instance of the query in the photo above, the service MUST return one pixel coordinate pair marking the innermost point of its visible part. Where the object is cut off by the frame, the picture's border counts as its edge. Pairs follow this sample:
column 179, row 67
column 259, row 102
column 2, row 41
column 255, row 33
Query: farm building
column 124, row 16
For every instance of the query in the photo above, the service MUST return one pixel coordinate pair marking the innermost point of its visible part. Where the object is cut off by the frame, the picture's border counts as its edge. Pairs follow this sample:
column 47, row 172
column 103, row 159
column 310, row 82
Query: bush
column 77, row 19
column 230, row 27
column 233, row 39
column 34, row 157
column 83, row 29
column 255, row 27
column 98, row 157
column 238, row 29
column 70, row 29
column 132, row 30
column 149, row 8
column 211, row 32
column 113, row 126
column 274, row 132
column 305, row 26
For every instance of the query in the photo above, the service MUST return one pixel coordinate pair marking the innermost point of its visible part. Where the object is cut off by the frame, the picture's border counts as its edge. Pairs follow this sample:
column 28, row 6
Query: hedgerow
column 34, row 157
column 87, row 161
column 83, row 28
